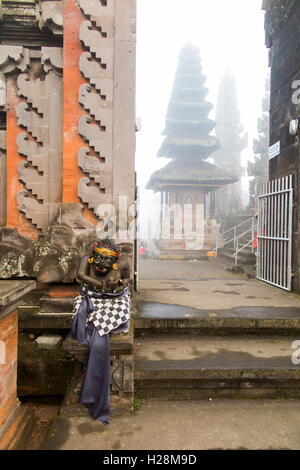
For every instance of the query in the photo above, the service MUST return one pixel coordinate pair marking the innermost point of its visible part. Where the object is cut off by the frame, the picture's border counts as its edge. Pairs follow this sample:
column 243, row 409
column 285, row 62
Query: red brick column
column 15, row 420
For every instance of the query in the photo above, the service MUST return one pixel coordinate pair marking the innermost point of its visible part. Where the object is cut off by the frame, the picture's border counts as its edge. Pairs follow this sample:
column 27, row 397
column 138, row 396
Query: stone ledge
column 12, row 291
column 119, row 344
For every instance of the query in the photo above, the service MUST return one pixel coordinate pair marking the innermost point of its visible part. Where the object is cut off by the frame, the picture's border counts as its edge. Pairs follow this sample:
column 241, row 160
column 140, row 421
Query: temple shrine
column 189, row 181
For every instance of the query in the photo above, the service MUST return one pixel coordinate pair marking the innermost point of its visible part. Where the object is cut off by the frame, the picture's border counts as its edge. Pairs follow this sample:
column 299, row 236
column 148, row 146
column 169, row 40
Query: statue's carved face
column 103, row 264
column 104, row 259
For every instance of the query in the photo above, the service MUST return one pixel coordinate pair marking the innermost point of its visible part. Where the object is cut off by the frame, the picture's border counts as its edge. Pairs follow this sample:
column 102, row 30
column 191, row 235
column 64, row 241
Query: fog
column 230, row 36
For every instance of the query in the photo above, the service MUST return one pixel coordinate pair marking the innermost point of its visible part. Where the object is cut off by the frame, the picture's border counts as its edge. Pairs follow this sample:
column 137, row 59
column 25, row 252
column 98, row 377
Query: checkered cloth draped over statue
column 103, row 307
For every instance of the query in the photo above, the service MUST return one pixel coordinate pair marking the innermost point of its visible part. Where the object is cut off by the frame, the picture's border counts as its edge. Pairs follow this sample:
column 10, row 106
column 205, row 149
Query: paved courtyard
column 207, row 285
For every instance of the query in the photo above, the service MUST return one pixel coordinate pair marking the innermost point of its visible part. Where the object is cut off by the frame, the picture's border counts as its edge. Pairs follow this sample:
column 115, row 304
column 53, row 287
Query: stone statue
column 103, row 307
column 105, row 270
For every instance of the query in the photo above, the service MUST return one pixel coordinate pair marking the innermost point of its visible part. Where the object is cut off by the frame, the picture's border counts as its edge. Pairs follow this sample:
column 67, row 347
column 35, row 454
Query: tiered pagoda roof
column 188, row 141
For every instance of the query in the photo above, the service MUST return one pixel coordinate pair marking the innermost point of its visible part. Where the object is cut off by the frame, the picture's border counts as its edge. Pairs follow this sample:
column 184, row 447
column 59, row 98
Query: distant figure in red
column 142, row 251
column 255, row 242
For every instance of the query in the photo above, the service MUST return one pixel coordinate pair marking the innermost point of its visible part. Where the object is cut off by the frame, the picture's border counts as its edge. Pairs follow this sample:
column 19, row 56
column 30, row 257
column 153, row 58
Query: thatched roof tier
column 188, row 149
column 195, row 173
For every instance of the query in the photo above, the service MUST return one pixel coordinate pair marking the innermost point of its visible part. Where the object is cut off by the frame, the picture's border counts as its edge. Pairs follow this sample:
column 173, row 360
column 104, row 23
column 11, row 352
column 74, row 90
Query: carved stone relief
column 122, row 375
column 51, row 15
column 43, row 14
column 41, row 116
column 96, row 64
column 102, row 17
column 14, row 58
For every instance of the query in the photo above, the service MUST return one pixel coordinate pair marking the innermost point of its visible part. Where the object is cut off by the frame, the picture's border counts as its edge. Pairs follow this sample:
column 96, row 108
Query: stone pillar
column 99, row 103
column 14, row 419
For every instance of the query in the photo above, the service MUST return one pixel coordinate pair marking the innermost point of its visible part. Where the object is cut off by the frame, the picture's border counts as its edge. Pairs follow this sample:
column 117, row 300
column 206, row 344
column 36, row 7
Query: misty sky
column 229, row 34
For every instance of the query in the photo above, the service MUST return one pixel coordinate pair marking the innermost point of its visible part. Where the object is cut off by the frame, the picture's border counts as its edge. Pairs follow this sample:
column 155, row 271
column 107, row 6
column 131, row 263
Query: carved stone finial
column 52, row 59
column 13, row 58
column 51, row 15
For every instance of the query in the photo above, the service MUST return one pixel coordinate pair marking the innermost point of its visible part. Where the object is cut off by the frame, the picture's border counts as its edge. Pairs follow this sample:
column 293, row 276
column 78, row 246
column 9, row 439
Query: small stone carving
column 14, row 58
column 52, row 59
column 97, row 11
column 51, row 263
column 33, row 181
column 70, row 215
column 122, row 375
column 39, row 214
column 94, row 39
column 92, row 133
column 51, row 15
column 91, row 194
column 96, row 170
column 93, row 70
column 35, row 124
column 36, row 155
column 12, row 246
column 33, row 91
column 95, row 103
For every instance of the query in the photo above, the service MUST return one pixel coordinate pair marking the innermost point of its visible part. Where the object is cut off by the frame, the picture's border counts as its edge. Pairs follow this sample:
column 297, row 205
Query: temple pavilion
column 189, row 179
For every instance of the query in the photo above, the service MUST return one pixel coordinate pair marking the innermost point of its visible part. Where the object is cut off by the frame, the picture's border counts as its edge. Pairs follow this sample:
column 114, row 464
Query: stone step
column 244, row 257
column 193, row 367
column 158, row 318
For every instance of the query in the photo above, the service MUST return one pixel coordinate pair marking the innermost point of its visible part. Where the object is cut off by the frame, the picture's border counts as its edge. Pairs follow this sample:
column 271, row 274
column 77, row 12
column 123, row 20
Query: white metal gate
column 274, row 233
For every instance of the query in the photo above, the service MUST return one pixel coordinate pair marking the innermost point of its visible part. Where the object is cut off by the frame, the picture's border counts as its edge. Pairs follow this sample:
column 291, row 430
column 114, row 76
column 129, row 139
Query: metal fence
column 274, row 232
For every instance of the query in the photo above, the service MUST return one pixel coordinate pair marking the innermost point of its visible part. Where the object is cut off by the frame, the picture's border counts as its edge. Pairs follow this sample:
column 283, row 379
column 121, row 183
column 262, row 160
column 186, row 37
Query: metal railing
column 238, row 237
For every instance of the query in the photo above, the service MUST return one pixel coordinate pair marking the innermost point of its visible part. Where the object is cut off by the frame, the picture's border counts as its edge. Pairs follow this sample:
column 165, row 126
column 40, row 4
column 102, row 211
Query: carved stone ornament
column 40, row 114
column 99, row 12
column 14, row 58
column 52, row 15
column 91, row 194
column 52, row 59
column 96, row 169
column 94, row 102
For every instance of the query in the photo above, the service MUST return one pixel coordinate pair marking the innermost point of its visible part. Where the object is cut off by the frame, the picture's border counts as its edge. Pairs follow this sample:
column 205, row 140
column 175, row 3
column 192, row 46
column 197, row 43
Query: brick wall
column 8, row 371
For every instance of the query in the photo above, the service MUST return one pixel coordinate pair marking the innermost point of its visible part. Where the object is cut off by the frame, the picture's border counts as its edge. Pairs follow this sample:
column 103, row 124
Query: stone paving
column 206, row 285
column 183, row 425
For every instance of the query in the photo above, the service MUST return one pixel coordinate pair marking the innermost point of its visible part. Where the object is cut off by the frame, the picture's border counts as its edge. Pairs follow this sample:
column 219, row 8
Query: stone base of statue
column 121, row 376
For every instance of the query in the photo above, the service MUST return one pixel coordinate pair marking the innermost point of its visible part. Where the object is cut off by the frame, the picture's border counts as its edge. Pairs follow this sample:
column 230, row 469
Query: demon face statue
column 105, row 270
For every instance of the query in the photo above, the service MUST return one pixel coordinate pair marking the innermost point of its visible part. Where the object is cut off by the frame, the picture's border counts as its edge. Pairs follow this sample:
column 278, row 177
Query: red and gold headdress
column 105, row 248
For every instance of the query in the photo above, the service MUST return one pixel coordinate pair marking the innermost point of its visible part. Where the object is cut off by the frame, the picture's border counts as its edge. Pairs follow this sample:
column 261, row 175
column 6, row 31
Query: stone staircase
column 230, row 355
column 246, row 259
column 238, row 239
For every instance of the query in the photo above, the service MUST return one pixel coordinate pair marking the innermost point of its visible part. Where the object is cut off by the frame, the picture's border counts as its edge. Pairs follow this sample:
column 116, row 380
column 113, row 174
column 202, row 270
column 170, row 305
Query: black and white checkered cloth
column 108, row 313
